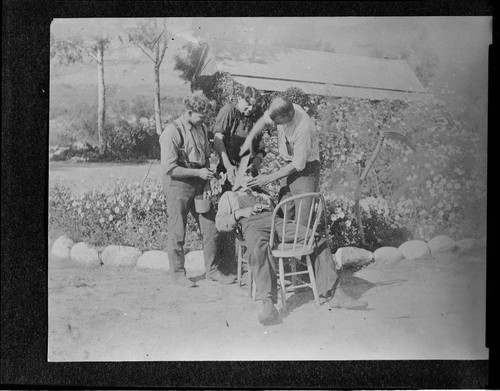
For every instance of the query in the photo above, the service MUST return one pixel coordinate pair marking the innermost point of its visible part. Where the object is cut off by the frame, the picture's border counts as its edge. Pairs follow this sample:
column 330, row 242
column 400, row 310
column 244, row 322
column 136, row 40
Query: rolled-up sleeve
column 222, row 126
column 224, row 220
column 301, row 146
column 169, row 144
column 225, row 119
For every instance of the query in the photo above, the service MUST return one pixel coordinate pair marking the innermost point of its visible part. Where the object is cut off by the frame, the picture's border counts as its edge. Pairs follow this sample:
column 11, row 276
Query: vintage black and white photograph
column 267, row 188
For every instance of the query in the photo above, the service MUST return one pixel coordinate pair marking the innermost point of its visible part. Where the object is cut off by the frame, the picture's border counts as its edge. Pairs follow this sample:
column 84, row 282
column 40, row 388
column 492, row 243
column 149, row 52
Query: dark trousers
column 305, row 181
column 180, row 201
column 257, row 233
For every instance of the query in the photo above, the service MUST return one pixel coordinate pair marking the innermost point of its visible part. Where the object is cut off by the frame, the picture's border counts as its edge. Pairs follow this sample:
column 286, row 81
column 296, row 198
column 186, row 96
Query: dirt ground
column 425, row 309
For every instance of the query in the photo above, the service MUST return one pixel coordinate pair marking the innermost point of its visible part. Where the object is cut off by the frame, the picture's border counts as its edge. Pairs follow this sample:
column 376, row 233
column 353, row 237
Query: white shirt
column 297, row 140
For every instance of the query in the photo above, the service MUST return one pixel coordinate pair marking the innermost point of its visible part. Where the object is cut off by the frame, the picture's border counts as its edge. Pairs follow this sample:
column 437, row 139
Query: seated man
column 250, row 211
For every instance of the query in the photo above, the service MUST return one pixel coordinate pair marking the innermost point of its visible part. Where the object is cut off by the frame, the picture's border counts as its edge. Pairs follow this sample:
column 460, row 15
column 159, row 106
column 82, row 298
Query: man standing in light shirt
column 297, row 144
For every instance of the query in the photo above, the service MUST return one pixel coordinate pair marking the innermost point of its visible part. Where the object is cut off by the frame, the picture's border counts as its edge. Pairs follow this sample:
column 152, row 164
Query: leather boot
column 269, row 312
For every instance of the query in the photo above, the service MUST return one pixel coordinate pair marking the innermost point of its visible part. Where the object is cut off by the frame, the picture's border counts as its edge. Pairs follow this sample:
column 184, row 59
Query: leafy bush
column 79, row 124
column 136, row 140
column 130, row 131
column 439, row 188
column 128, row 214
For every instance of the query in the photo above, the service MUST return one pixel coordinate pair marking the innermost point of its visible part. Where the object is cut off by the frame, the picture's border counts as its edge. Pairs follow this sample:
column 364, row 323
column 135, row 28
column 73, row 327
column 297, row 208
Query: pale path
column 89, row 176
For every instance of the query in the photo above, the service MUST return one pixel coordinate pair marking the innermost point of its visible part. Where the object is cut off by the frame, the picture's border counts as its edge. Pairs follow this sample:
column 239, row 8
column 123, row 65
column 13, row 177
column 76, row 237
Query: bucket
column 202, row 205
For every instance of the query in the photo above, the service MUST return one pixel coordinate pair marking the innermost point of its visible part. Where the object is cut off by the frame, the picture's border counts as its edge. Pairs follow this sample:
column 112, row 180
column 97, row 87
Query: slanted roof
column 321, row 73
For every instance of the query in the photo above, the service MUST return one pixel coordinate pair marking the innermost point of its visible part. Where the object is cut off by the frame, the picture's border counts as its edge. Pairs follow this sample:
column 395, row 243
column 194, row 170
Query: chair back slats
column 283, row 230
column 306, row 242
column 315, row 214
column 297, row 226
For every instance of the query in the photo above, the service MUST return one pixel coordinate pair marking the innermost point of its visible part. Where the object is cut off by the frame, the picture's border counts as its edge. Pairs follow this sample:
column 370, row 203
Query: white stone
column 414, row 249
column 85, row 254
column 441, row 244
column 387, row 254
column 195, row 262
column 114, row 255
column 466, row 244
column 353, row 256
column 153, row 260
column 62, row 247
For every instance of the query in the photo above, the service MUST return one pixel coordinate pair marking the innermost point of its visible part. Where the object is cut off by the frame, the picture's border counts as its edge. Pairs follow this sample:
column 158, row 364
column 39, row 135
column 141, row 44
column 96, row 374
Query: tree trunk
column 101, row 93
column 157, row 101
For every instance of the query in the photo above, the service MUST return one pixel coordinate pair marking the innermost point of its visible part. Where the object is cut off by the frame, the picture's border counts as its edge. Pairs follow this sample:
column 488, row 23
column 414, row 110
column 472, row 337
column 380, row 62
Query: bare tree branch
column 145, row 52
column 163, row 51
column 157, row 39
column 86, row 50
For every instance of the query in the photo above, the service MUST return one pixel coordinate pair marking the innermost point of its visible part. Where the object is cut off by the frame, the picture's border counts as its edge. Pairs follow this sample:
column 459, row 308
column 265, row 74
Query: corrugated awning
column 321, row 73
column 328, row 89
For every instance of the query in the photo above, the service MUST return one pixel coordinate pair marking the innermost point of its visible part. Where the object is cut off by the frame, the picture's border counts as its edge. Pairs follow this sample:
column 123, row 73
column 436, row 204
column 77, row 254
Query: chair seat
column 291, row 251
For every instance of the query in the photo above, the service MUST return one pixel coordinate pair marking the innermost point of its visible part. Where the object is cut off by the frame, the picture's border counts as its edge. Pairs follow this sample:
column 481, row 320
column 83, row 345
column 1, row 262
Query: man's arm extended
column 182, row 172
column 262, row 180
column 259, row 126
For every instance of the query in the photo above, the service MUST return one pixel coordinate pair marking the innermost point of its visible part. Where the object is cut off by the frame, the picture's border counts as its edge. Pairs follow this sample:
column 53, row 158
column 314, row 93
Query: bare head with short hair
column 251, row 95
column 248, row 99
column 281, row 110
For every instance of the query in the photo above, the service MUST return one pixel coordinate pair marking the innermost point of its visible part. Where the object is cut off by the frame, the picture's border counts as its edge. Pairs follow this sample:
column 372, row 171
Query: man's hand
column 231, row 172
column 245, row 212
column 207, row 194
column 260, row 180
column 204, row 173
column 258, row 208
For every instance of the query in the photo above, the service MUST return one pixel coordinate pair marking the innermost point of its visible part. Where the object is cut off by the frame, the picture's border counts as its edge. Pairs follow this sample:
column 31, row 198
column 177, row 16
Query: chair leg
column 282, row 283
column 240, row 261
column 293, row 266
column 250, row 283
column 253, row 286
column 313, row 279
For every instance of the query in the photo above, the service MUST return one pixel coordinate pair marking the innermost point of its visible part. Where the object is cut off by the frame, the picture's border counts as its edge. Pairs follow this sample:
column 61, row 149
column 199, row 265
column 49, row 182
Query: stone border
column 126, row 256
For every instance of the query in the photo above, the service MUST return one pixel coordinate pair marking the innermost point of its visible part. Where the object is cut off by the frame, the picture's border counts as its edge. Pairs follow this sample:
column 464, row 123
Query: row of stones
column 126, row 256
column 119, row 256
column 411, row 250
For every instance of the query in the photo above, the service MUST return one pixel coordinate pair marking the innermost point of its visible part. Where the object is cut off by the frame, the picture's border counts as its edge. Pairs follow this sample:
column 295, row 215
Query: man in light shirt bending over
column 297, row 144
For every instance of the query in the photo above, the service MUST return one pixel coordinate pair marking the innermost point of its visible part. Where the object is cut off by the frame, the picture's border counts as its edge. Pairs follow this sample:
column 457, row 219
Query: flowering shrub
column 380, row 225
column 438, row 188
column 128, row 214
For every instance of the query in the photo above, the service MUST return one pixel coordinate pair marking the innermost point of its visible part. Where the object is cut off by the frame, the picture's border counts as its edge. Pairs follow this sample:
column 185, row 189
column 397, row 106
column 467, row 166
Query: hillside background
column 455, row 47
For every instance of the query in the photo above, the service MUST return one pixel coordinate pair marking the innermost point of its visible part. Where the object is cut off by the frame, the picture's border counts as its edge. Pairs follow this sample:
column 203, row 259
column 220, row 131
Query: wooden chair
column 297, row 249
column 240, row 244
